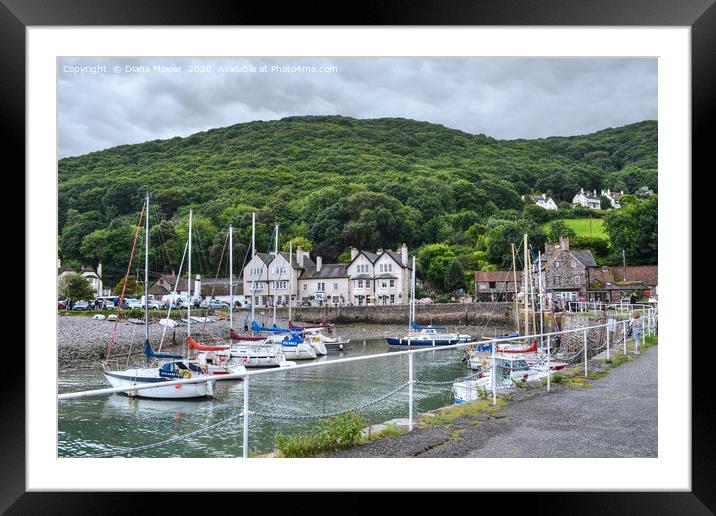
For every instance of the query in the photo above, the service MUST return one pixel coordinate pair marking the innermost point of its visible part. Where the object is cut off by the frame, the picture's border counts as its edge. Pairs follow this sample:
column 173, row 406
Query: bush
column 332, row 434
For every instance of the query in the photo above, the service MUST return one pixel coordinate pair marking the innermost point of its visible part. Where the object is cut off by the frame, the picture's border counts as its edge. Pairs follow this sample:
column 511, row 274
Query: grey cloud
column 501, row 97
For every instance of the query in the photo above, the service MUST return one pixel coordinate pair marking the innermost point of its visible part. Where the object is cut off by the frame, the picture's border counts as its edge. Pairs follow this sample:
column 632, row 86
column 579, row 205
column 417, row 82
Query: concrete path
column 616, row 417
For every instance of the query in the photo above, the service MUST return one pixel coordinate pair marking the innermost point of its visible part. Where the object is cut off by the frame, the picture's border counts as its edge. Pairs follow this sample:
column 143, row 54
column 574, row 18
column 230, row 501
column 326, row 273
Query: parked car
column 130, row 303
column 154, row 305
column 81, row 305
column 61, row 305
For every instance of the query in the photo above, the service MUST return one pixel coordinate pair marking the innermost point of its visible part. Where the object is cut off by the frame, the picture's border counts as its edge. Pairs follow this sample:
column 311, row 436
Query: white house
column 542, row 201
column 587, row 199
column 269, row 275
column 93, row 276
column 325, row 284
column 613, row 197
column 382, row 277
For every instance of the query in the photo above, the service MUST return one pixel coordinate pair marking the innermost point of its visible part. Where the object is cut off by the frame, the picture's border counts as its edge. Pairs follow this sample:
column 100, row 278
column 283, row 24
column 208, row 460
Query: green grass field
column 581, row 227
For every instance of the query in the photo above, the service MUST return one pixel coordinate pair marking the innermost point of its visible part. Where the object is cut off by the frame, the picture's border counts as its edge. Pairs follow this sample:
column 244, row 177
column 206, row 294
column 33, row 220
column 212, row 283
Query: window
column 367, row 283
column 392, row 299
column 390, row 267
column 493, row 284
column 384, row 284
column 321, row 287
column 577, row 280
column 392, row 283
column 305, row 287
column 557, row 280
column 556, row 264
column 335, row 286
column 360, row 283
column 573, row 263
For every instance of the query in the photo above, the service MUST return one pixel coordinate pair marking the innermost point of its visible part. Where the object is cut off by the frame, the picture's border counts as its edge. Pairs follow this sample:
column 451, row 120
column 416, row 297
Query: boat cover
column 235, row 336
column 256, row 327
column 201, row 347
column 152, row 354
column 429, row 327
column 296, row 327
column 525, row 349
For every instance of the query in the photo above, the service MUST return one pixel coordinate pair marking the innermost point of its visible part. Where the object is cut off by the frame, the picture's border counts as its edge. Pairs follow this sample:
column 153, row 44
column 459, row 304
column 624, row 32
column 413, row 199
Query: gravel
column 83, row 341
column 617, row 417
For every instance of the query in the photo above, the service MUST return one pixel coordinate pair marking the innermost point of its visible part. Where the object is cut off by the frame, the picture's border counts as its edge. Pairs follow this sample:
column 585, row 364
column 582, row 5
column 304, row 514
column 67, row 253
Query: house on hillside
column 542, row 201
column 268, row 275
column 496, row 285
column 380, row 278
column 587, row 199
column 613, row 197
column 325, row 284
column 94, row 276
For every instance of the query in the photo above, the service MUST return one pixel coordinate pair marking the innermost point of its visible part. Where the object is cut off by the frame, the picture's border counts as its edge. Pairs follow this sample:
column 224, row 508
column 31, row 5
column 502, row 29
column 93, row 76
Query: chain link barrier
column 282, row 417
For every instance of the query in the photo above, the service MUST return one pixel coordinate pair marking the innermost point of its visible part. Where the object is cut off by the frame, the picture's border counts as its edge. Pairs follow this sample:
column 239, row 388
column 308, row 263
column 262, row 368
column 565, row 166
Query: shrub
column 331, row 434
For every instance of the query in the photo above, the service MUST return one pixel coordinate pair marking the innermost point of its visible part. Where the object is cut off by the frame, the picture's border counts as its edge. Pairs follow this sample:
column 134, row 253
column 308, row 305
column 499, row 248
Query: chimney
column 404, row 254
column 380, row 250
column 299, row 256
column 354, row 253
column 581, row 190
column 622, row 192
column 59, row 263
column 564, row 243
column 595, row 192
column 319, row 263
column 197, row 285
column 99, row 270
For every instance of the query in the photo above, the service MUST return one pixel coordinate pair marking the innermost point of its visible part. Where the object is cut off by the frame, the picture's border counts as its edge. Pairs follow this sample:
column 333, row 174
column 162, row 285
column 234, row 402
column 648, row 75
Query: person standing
column 636, row 327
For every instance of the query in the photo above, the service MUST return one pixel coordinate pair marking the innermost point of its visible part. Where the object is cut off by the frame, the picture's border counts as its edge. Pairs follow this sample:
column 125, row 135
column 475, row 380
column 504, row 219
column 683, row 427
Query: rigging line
column 218, row 269
column 126, row 277
column 173, row 294
column 163, row 252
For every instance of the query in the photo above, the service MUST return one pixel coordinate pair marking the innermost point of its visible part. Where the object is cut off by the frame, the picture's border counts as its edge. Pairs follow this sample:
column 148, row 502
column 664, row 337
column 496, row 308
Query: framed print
column 212, row 184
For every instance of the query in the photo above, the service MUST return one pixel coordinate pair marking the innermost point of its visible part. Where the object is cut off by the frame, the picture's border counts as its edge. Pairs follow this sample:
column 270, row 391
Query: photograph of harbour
column 367, row 257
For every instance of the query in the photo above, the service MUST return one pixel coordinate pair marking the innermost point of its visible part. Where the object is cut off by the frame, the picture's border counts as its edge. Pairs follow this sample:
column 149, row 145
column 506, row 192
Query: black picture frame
column 700, row 15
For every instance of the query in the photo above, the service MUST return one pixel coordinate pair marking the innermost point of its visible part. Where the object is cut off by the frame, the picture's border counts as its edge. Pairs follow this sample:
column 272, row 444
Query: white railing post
column 624, row 329
column 585, row 353
column 246, row 417
column 609, row 330
column 410, row 392
column 549, row 369
column 493, row 373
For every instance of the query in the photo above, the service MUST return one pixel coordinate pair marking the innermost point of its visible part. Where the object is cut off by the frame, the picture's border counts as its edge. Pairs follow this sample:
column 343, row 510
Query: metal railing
column 649, row 322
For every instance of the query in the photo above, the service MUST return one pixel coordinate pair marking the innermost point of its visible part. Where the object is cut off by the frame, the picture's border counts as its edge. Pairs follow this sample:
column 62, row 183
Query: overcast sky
column 101, row 104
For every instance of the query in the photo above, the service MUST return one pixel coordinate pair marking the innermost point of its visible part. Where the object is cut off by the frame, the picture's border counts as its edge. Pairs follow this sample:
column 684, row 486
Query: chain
column 449, row 382
column 266, row 415
column 128, row 451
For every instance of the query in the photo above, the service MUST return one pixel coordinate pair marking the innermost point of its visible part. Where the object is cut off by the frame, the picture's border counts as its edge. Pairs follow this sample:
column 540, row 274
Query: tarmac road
column 617, row 417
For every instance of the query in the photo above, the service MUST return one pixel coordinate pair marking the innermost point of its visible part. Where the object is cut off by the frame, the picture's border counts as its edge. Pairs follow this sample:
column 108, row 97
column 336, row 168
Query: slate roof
column 330, row 270
column 585, row 257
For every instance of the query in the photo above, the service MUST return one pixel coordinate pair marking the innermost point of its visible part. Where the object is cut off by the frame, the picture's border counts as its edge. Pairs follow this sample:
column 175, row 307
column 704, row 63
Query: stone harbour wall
column 475, row 314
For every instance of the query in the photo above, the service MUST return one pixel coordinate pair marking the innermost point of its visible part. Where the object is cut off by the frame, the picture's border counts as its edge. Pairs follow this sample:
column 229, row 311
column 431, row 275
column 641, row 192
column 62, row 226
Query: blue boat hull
column 420, row 342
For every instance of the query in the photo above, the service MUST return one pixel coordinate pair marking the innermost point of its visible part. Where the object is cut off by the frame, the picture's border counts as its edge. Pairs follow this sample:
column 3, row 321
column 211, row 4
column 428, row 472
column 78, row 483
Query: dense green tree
column 454, row 277
column 499, row 240
column 134, row 288
column 434, row 259
column 634, row 228
column 74, row 286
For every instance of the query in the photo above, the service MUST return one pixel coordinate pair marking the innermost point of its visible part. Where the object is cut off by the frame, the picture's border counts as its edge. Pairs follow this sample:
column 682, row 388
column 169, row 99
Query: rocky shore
column 84, row 342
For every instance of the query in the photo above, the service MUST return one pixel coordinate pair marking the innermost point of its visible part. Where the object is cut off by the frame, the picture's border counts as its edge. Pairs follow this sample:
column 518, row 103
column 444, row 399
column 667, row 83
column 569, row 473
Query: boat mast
column 539, row 285
column 188, row 308
column 290, row 278
column 412, row 296
column 525, row 282
column 231, row 276
column 253, row 253
column 532, row 295
column 275, row 283
column 146, row 274
column 514, row 297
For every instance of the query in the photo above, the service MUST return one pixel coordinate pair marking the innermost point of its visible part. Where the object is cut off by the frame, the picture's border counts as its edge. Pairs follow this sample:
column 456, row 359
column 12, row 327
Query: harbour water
column 104, row 424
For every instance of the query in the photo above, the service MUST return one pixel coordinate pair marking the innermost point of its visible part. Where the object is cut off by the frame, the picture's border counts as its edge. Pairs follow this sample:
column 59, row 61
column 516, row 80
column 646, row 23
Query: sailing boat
column 424, row 335
column 254, row 351
column 207, row 358
column 176, row 368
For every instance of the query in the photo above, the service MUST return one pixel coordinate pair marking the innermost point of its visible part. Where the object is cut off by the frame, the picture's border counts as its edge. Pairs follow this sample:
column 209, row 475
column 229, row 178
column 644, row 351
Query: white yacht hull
column 134, row 377
column 299, row 352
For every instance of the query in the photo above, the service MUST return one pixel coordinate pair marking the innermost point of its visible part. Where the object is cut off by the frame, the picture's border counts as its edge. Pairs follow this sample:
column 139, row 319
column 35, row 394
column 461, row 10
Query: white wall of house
column 587, row 199
column 388, row 290
column 361, row 290
column 332, row 290
column 256, row 278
